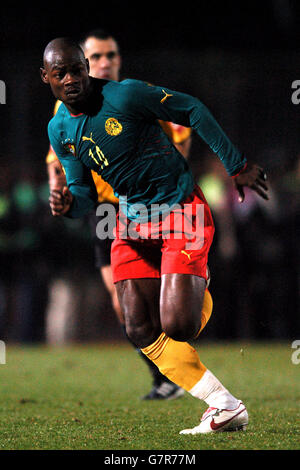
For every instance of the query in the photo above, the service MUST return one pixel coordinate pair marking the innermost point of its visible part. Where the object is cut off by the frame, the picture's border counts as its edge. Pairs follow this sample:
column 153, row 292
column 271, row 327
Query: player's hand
column 56, row 176
column 60, row 201
column 255, row 178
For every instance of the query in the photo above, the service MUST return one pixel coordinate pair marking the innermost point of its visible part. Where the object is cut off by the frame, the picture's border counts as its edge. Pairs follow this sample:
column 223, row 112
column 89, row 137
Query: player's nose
column 70, row 79
column 104, row 61
column 71, row 86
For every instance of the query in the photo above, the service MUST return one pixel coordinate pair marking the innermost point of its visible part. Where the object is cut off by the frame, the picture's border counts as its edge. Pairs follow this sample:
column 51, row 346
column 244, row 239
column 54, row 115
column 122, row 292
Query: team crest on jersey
column 69, row 147
column 113, row 127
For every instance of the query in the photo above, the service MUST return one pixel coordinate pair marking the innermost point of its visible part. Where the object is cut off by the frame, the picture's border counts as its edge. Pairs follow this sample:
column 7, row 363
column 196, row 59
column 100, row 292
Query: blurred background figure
column 24, row 280
column 7, row 255
column 102, row 51
column 255, row 257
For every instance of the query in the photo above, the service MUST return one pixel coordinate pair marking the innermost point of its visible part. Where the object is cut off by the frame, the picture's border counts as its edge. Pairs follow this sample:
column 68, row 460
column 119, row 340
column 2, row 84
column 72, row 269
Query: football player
column 113, row 130
column 102, row 51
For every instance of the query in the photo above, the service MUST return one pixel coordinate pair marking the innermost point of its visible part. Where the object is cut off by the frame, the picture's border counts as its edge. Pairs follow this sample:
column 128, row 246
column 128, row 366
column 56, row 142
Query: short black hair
column 99, row 33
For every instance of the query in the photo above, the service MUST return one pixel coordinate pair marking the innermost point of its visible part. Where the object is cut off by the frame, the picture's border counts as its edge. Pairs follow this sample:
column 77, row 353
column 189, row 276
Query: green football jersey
column 125, row 144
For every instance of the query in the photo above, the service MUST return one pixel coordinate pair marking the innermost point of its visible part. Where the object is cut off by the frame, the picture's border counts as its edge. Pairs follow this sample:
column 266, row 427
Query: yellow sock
column 176, row 360
column 206, row 310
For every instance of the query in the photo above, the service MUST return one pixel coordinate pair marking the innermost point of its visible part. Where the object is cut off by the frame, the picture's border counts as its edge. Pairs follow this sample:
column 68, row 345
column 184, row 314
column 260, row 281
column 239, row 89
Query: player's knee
column 180, row 329
column 142, row 335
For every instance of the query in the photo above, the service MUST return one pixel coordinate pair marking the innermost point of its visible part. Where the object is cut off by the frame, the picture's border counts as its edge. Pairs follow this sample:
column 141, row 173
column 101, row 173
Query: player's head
column 102, row 51
column 66, row 70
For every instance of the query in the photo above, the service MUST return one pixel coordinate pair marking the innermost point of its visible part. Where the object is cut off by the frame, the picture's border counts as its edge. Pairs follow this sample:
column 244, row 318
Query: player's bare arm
column 56, row 177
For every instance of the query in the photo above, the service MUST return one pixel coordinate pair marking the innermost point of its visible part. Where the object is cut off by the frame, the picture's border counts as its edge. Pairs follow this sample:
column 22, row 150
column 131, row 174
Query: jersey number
column 103, row 160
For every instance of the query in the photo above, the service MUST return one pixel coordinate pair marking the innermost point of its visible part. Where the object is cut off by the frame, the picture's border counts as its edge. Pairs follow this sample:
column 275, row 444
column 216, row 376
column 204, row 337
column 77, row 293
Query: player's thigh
column 181, row 301
column 139, row 301
column 184, row 267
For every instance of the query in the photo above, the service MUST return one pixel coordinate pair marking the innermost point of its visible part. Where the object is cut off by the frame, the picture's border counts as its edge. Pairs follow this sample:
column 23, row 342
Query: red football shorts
column 176, row 243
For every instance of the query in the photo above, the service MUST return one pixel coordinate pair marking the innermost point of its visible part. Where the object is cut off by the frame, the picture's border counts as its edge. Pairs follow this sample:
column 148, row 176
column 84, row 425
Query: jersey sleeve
column 153, row 102
column 79, row 179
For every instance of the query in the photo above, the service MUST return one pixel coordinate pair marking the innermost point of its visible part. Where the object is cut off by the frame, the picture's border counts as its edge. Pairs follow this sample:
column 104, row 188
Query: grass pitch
column 88, row 397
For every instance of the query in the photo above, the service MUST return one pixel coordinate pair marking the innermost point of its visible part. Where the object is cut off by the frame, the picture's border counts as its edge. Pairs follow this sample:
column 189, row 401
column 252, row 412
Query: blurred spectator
column 223, row 259
column 288, row 187
column 33, row 246
column 7, row 255
column 255, row 257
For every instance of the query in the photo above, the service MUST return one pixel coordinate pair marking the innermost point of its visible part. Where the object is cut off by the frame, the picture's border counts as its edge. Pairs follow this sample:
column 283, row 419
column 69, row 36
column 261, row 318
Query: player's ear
column 87, row 65
column 44, row 75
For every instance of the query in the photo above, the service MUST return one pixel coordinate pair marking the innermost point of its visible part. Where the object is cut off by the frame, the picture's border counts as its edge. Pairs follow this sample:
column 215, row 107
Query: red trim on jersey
column 244, row 167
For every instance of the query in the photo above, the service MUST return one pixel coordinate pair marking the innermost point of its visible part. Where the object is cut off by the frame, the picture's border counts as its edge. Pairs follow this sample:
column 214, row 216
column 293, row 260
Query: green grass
column 88, row 397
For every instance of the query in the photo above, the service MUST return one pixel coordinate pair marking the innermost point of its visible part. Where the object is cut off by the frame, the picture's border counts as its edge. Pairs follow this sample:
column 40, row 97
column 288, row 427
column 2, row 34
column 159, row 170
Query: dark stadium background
column 240, row 59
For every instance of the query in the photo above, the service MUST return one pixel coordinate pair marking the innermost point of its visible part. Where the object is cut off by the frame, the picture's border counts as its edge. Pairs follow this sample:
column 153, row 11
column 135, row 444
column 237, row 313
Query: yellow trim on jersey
column 56, row 106
column 104, row 190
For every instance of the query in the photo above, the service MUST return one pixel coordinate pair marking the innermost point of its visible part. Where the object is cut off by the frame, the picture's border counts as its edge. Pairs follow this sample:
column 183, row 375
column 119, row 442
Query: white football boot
column 216, row 420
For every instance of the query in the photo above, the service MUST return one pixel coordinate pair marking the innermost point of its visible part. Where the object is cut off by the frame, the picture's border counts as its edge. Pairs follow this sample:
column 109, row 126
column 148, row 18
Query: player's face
column 104, row 58
column 67, row 74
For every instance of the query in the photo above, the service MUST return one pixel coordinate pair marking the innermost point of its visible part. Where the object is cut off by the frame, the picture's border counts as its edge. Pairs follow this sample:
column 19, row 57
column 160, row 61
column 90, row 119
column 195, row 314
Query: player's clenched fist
column 60, row 201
